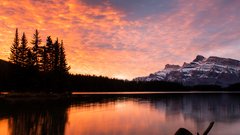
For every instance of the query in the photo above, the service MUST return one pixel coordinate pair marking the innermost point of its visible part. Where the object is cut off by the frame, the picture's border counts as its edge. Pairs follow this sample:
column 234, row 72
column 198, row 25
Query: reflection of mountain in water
column 50, row 118
column 201, row 107
column 36, row 119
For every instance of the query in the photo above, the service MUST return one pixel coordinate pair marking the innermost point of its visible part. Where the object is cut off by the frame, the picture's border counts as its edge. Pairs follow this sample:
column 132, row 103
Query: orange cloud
column 101, row 39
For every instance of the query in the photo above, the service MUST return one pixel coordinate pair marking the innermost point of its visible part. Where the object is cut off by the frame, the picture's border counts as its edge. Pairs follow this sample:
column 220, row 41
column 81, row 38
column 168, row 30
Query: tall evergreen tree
column 56, row 56
column 30, row 61
column 23, row 49
column 45, row 60
column 49, row 54
column 48, row 58
column 63, row 62
column 14, row 56
column 36, row 41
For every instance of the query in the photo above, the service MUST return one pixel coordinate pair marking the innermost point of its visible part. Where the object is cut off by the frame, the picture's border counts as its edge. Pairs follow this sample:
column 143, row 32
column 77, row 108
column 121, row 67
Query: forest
column 34, row 67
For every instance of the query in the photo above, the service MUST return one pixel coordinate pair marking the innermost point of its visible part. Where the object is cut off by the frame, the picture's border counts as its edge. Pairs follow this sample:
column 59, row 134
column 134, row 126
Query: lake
column 124, row 114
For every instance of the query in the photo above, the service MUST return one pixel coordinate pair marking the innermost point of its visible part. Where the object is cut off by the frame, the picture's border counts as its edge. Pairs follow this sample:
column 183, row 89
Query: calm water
column 124, row 114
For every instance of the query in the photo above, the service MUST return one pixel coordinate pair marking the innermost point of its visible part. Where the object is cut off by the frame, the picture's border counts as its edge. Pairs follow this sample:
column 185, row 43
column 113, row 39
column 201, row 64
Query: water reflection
column 160, row 114
column 35, row 119
column 200, row 109
column 156, row 114
column 217, row 107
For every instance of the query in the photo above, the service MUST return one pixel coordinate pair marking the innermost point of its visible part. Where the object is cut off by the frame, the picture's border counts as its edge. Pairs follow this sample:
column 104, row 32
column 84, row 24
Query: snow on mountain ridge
column 201, row 71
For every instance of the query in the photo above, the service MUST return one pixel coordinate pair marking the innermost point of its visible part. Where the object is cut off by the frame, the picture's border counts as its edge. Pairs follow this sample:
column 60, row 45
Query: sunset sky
column 126, row 38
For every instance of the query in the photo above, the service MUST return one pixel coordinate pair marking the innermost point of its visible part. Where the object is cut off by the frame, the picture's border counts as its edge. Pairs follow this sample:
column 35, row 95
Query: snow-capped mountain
column 201, row 71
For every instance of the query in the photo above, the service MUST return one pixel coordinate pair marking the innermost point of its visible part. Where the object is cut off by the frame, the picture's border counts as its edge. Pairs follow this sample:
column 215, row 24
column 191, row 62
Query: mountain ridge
column 201, row 71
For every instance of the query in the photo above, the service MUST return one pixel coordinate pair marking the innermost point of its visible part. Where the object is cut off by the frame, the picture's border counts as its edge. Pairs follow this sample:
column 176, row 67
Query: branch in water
column 209, row 128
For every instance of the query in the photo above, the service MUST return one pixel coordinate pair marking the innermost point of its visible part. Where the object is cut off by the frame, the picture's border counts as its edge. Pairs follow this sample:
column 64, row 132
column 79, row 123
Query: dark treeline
column 36, row 67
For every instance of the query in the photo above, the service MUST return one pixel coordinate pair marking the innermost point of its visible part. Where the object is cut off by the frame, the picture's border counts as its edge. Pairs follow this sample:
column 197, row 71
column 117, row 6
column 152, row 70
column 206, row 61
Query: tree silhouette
column 36, row 41
column 45, row 60
column 47, row 118
column 30, row 60
column 56, row 56
column 63, row 62
column 23, row 49
column 14, row 56
column 42, row 66
column 48, row 54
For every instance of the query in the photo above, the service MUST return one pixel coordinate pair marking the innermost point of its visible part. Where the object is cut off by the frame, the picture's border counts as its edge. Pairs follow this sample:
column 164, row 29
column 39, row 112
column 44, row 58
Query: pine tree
column 48, row 58
column 63, row 62
column 49, row 54
column 56, row 56
column 45, row 60
column 30, row 60
column 35, row 50
column 23, row 49
column 14, row 56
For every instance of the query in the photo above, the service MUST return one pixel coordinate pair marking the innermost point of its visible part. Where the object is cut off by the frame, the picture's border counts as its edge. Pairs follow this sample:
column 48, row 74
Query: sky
column 126, row 38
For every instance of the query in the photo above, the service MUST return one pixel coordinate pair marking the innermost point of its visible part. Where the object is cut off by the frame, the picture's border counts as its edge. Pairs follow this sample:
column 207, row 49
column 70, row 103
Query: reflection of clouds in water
column 128, row 117
column 159, row 114
column 224, row 109
column 220, row 107
column 170, row 112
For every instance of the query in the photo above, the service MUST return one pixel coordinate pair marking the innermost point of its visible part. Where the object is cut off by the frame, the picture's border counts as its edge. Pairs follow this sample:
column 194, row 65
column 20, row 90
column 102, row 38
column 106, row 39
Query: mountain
column 201, row 71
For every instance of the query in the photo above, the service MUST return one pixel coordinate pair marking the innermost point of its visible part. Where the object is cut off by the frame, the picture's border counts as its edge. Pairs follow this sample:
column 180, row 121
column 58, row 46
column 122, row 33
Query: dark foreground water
column 124, row 114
